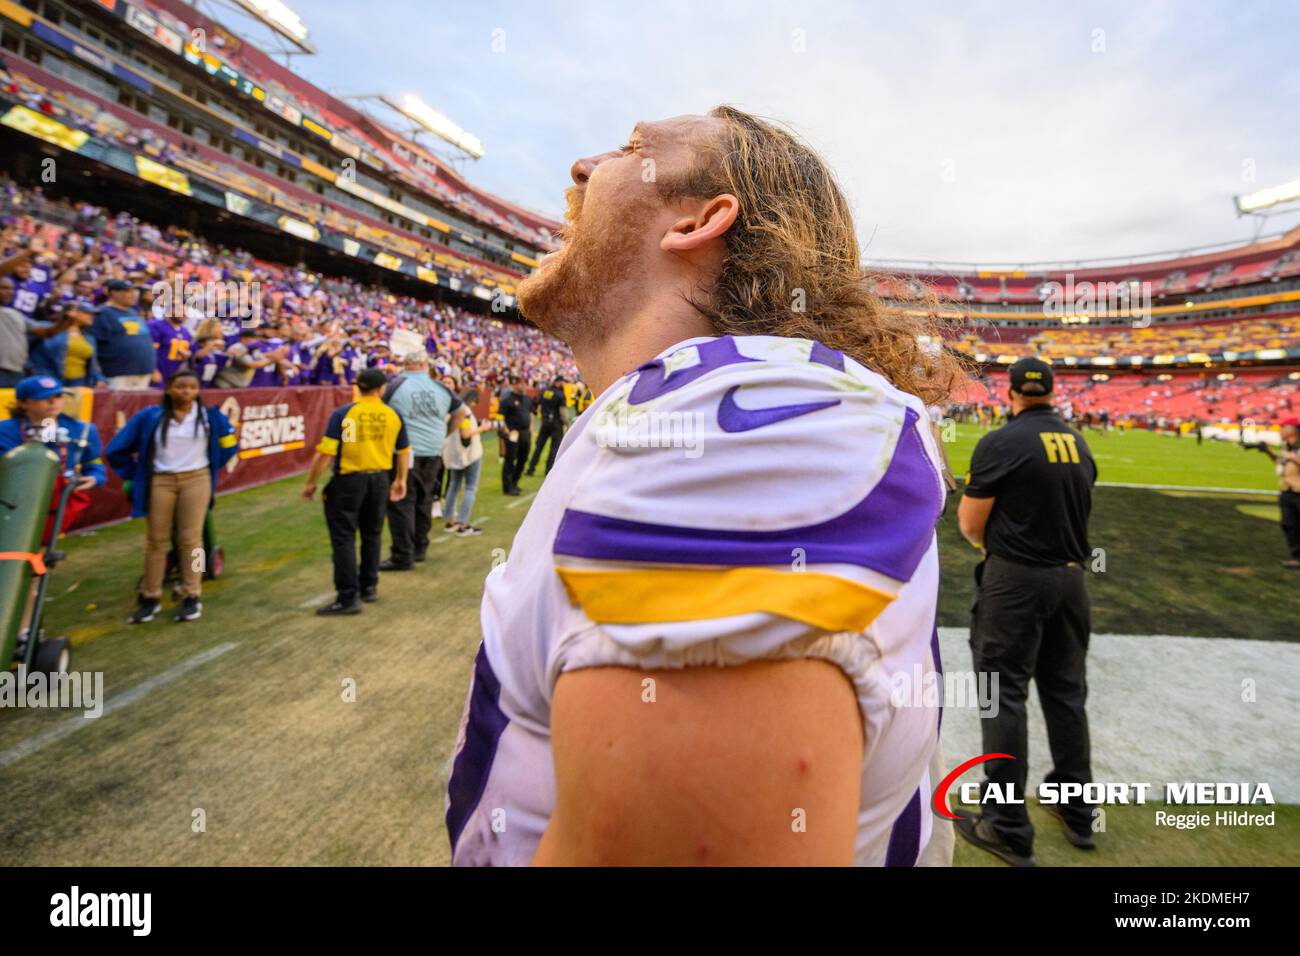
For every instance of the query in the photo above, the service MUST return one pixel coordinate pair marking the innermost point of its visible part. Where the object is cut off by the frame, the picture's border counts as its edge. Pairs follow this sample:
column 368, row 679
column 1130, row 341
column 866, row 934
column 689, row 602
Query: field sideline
column 258, row 741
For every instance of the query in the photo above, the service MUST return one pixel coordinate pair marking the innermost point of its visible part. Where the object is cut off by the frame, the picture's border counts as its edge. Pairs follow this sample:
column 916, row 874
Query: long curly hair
column 793, row 266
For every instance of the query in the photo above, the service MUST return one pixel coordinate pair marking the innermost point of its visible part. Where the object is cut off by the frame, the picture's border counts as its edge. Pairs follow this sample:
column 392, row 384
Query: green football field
column 237, row 740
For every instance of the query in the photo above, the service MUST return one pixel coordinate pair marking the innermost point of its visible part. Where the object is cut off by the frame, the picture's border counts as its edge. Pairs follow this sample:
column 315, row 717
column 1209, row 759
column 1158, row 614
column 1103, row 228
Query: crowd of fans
column 107, row 299
column 1211, row 338
column 82, row 112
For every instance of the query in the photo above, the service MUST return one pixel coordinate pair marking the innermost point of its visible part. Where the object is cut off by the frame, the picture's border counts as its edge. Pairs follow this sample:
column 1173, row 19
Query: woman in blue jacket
column 169, row 456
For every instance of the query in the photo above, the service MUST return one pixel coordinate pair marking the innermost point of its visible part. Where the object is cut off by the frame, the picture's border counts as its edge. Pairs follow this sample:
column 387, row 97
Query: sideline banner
column 278, row 430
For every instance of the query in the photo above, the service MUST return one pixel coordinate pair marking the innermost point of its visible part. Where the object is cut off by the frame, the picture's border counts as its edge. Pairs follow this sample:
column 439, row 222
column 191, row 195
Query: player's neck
column 640, row 334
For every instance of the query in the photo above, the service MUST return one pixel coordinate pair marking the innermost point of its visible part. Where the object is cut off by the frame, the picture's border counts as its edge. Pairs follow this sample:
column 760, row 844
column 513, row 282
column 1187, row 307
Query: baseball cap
column 38, row 387
column 371, row 379
column 1031, row 376
column 1293, row 422
column 119, row 285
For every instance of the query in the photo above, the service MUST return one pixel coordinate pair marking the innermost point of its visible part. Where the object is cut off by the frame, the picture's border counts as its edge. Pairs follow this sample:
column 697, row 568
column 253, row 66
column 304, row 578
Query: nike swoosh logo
column 733, row 418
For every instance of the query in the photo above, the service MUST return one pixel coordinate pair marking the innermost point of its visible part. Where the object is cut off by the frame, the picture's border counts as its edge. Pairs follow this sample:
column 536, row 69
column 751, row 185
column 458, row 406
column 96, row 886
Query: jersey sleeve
column 756, row 506
column 329, row 442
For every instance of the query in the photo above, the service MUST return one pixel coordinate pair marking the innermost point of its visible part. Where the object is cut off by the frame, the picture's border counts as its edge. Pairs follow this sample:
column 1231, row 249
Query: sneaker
column 514, row 492
column 450, row 527
column 979, row 832
column 191, row 610
column 1079, row 838
column 468, row 531
column 370, row 595
column 391, row 565
column 145, row 611
column 338, row 607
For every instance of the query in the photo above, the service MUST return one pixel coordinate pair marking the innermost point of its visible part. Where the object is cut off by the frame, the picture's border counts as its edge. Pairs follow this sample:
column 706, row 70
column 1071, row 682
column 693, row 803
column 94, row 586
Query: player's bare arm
column 744, row 766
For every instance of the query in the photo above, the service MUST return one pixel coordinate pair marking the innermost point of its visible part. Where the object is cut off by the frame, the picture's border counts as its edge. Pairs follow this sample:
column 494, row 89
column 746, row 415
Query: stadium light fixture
column 1267, row 198
column 421, row 113
column 282, row 20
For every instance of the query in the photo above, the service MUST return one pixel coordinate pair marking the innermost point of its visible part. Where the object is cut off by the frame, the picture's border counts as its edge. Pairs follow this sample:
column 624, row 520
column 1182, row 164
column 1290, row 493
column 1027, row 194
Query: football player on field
column 693, row 652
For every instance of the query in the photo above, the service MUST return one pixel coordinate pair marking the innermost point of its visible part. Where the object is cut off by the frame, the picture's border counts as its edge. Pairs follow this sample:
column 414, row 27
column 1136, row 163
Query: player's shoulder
column 715, row 371
column 755, row 433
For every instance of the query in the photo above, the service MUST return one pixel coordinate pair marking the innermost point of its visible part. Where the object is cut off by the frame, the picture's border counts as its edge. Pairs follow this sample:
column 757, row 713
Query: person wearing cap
column 38, row 414
column 363, row 443
column 424, row 405
column 1288, row 473
column 1026, row 505
column 69, row 353
column 516, row 410
column 123, row 342
column 550, row 406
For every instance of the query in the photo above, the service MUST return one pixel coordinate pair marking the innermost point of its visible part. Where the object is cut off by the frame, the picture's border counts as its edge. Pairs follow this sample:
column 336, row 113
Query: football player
column 689, row 656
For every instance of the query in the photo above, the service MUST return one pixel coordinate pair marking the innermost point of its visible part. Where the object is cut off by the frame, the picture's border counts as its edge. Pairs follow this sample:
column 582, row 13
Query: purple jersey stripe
column 826, row 356
column 483, row 729
column 905, row 838
column 887, row 531
column 653, row 379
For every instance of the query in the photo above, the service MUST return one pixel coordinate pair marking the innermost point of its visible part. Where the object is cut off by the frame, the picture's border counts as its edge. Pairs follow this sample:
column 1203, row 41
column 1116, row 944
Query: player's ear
column 702, row 224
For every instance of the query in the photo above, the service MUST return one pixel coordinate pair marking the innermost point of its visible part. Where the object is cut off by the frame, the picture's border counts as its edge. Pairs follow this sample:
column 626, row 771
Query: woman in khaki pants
column 169, row 457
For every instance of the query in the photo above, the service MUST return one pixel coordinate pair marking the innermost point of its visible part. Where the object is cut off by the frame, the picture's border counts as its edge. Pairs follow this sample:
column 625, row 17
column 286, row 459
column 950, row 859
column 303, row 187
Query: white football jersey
column 736, row 499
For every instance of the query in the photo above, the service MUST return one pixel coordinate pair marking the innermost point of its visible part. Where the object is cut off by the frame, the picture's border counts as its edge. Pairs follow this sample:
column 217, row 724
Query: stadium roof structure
column 1166, row 260
column 336, row 111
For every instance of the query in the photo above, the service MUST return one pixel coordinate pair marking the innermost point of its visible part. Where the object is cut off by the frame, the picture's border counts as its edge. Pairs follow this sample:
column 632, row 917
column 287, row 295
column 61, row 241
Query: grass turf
column 262, row 746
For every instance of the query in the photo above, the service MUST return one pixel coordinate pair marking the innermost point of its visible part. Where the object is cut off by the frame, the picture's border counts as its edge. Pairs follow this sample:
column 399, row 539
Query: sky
column 972, row 133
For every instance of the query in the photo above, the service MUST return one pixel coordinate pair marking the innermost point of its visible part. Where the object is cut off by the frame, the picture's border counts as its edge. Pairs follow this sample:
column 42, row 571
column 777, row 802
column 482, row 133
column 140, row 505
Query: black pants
column 355, row 502
column 1033, row 622
column 552, row 432
column 1290, row 503
column 516, row 454
column 410, row 519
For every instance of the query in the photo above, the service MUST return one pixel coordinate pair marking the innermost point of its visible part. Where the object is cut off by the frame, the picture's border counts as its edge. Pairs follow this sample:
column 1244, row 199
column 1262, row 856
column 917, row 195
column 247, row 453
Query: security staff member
column 361, row 441
column 516, row 409
column 550, row 405
column 1026, row 504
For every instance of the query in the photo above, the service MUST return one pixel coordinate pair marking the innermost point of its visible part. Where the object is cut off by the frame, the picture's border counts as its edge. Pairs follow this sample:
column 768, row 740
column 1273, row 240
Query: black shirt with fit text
column 1041, row 473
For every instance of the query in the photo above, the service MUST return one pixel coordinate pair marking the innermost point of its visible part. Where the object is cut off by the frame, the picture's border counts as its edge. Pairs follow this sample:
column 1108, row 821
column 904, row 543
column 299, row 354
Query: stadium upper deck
column 157, row 90
column 1234, row 304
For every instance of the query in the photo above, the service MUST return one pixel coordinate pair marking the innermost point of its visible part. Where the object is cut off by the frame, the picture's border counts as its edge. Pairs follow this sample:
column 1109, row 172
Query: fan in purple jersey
column 32, row 284
column 174, row 343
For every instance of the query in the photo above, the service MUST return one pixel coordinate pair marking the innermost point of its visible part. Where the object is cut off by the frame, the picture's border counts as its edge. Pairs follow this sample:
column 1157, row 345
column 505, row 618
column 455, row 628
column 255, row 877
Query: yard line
column 519, row 501
column 1125, row 484
column 319, row 599
column 73, row 724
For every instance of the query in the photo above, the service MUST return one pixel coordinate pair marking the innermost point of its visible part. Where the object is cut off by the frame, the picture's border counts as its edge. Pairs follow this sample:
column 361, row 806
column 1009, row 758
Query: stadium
column 312, row 238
